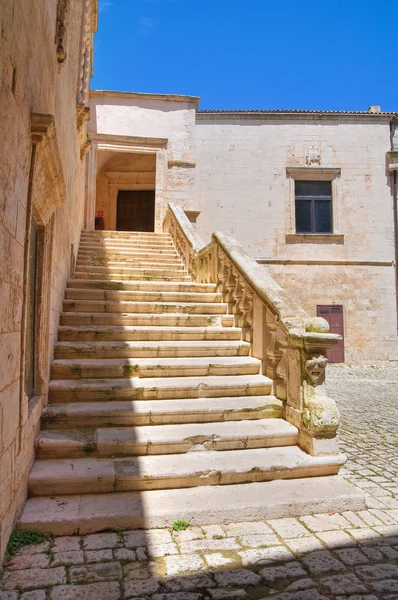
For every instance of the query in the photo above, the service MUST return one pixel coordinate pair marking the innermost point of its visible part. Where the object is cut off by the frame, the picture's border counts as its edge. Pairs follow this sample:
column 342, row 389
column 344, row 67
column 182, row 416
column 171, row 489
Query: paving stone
column 140, row 587
column 364, row 535
column 188, row 583
column 125, row 554
column 237, row 577
column 217, row 560
column 325, row 522
column 263, row 556
column 335, row 539
column 389, row 552
column 227, row 594
column 343, row 584
column 301, row 595
column 203, row 545
column 33, row 578
column 66, row 544
column 304, row 545
column 178, row 596
column 134, row 539
column 213, row 531
column 136, row 570
column 68, row 558
column 352, row 556
column 382, row 571
column 34, row 548
column 99, row 541
column 289, row 528
column 93, row 591
column 192, row 533
column 96, row 556
column 27, row 561
column 8, row 595
column 357, row 597
column 141, row 554
column 322, row 562
column 183, row 564
column 259, row 541
column 158, row 550
column 247, row 528
column 288, row 571
column 36, row 595
column 387, row 585
column 373, row 554
column 96, row 572
column 301, row 584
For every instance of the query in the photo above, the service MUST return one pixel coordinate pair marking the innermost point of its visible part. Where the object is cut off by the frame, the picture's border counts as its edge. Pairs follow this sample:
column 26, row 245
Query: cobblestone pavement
column 348, row 556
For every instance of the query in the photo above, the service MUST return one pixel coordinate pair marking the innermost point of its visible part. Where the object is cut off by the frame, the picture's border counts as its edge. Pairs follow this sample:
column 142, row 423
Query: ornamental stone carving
column 313, row 156
column 320, row 415
column 63, row 10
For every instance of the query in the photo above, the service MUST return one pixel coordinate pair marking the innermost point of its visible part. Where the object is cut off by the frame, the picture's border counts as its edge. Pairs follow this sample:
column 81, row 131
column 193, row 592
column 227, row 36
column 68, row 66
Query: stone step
column 157, row 253
column 142, row 286
column 141, row 320
column 142, row 296
column 107, row 368
column 154, row 333
column 165, row 439
column 123, row 306
column 111, row 234
column 139, row 276
column 171, row 271
column 126, row 244
column 204, row 505
column 142, row 263
column 158, row 388
column 95, row 476
column 73, row 350
column 151, row 412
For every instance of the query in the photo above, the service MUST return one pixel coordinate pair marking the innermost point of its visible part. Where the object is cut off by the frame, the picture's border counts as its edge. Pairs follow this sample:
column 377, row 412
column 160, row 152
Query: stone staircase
column 153, row 389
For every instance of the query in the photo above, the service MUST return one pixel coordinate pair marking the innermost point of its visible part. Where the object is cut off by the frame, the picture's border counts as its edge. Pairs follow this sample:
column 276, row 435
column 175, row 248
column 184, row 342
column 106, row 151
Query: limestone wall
column 148, row 117
column 34, row 81
column 245, row 188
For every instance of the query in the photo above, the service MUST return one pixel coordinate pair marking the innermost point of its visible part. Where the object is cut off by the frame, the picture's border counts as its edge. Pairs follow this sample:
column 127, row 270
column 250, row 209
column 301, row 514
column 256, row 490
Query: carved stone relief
column 63, row 10
column 313, row 156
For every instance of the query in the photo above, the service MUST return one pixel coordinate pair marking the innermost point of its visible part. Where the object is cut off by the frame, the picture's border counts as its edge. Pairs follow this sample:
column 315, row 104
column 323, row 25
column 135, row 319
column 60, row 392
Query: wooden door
column 334, row 316
column 135, row 210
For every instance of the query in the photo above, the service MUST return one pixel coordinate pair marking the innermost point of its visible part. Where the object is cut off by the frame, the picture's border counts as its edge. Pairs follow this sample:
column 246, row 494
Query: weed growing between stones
column 180, row 525
column 19, row 539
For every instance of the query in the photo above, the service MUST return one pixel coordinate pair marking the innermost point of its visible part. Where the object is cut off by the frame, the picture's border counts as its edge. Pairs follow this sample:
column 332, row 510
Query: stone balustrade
column 291, row 345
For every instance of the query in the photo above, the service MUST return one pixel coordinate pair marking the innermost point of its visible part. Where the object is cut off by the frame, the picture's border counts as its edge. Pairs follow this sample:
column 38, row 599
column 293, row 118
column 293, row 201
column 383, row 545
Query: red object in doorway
column 99, row 222
column 333, row 314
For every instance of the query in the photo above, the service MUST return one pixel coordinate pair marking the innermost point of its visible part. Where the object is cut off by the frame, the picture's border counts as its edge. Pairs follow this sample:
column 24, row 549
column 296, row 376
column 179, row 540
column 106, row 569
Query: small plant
column 19, row 539
column 180, row 525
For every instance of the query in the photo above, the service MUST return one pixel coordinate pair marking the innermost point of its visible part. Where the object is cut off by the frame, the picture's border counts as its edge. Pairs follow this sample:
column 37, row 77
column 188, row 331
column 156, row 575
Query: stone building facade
column 236, row 171
column 45, row 68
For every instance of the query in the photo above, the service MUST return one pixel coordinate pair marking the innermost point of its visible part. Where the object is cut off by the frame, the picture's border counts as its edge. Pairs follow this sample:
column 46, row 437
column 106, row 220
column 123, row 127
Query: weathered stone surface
column 140, row 587
column 257, row 541
column 183, row 564
column 289, row 528
column 247, row 528
column 26, row 561
column 227, row 594
column 136, row 570
column 66, row 544
column 70, row 557
column 36, row 595
column 217, row 560
column 96, row 572
column 265, row 555
column 124, row 554
column 99, row 541
column 93, row 591
column 33, row 578
column 352, row 556
column 377, row 572
column 291, row 570
column 188, row 582
column 322, row 562
column 96, row 556
column 343, row 584
column 237, row 577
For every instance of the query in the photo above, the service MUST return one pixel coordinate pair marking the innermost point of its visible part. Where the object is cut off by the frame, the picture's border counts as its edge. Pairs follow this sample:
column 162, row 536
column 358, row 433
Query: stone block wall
column 33, row 80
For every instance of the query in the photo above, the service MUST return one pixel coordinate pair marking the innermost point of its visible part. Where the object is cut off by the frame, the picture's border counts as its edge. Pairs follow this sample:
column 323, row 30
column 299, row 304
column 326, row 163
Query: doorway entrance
column 334, row 316
column 135, row 210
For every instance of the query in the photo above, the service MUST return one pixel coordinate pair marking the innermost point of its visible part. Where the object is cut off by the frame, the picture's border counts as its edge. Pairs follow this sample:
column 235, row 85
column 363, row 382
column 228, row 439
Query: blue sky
column 252, row 54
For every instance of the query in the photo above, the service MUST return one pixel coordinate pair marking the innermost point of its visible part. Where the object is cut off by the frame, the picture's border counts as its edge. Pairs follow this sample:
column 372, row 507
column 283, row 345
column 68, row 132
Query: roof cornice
column 144, row 96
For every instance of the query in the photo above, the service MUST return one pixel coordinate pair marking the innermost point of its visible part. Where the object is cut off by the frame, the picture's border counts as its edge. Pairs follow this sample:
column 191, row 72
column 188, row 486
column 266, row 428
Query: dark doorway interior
column 135, row 210
column 334, row 316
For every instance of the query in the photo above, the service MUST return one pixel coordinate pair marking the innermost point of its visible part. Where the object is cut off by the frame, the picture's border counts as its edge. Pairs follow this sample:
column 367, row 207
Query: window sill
column 314, row 238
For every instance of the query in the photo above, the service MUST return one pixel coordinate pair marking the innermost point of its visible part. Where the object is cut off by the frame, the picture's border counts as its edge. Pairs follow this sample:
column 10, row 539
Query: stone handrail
column 291, row 345
column 185, row 238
